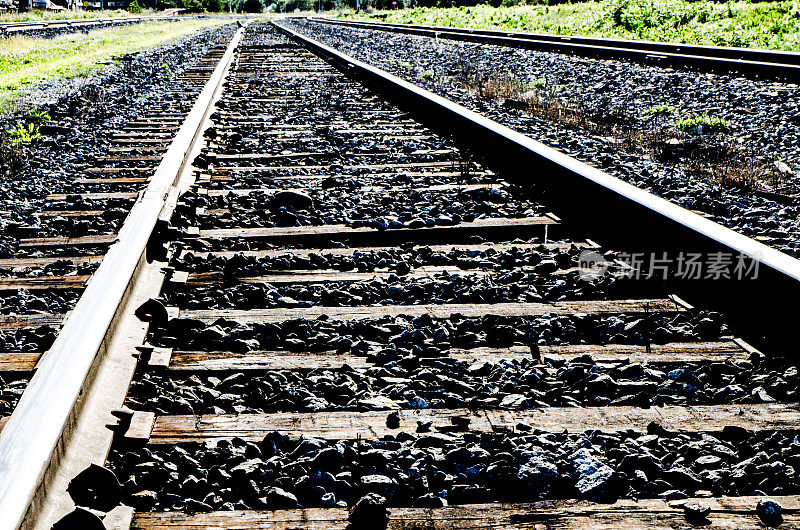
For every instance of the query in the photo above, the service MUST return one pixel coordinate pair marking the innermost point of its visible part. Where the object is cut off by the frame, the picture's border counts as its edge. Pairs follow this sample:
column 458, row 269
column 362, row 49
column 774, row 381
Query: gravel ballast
column 436, row 469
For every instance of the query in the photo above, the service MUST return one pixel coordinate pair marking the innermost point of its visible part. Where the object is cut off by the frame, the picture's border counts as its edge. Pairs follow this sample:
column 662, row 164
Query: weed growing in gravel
column 514, row 93
column 39, row 116
column 539, row 83
column 427, row 75
column 714, row 158
column 702, row 123
column 737, row 174
column 25, row 134
column 28, row 133
column 657, row 110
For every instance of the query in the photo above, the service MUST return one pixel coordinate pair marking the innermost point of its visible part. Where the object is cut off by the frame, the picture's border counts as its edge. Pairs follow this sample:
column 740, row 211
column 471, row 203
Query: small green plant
column 134, row 8
column 539, row 84
column 427, row 75
column 702, row 122
column 39, row 116
column 25, row 134
column 657, row 110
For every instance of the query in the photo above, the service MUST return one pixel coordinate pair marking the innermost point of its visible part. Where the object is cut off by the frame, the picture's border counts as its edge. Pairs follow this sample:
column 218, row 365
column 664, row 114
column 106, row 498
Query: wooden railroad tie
column 61, row 241
column 483, row 227
column 644, row 514
column 39, row 283
column 361, row 189
column 581, row 307
column 304, row 252
column 38, row 262
column 146, row 427
column 610, row 354
column 11, row 322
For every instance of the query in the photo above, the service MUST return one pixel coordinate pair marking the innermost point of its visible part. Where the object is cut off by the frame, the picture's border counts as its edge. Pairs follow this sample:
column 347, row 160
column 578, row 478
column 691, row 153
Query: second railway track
column 752, row 61
column 347, row 310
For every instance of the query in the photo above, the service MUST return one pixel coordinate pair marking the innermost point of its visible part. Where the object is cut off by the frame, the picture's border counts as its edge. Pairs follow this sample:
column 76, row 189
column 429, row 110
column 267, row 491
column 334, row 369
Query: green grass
column 657, row 110
column 773, row 25
column 39, row 15
column 25, row 61
column 712, row 123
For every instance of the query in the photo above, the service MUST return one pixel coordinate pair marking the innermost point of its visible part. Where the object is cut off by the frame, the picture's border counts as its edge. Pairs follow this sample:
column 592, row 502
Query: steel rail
column 768, row 63
column 38, row 428
column 616, row 212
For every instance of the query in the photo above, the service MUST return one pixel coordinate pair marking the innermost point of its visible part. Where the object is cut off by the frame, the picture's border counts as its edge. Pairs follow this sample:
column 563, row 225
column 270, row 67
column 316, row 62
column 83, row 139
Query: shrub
column 134, row 8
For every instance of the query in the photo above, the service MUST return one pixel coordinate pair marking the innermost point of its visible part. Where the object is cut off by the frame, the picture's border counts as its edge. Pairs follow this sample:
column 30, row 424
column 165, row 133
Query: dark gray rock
column 293, row 199
column 369, row 513
column 537, row 472
column 695, row 511
column 594, row 479
column 769, row 512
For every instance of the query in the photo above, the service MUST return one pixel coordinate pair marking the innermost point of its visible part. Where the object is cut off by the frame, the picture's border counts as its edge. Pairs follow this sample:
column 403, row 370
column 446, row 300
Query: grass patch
column 38, row 15
column 772, row 25
column 25, row 61
column 24, row 134
column 657, row 110
column 704, row 122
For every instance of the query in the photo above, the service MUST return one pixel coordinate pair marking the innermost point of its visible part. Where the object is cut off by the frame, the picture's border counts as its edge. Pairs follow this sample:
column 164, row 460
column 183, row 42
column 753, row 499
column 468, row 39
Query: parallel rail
column 764, row 63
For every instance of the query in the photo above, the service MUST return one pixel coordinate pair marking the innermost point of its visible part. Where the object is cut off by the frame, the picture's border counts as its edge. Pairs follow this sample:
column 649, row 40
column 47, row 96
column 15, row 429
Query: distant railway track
column 763, row 63
column 323, row 291
column 9, row 28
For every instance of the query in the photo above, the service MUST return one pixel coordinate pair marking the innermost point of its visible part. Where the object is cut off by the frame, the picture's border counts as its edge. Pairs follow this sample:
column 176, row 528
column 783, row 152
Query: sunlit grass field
column 40, row 15
column 25, row 61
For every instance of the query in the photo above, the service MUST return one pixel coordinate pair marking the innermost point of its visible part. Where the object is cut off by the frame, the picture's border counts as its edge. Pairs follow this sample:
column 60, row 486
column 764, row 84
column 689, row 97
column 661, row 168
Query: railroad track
column 10, row 28
column 752, row 61
column 320, row 302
